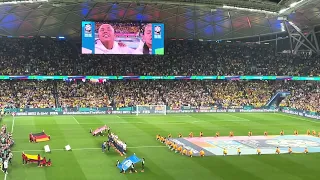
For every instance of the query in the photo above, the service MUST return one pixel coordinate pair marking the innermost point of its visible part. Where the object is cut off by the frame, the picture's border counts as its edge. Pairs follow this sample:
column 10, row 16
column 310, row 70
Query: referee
column 142, row 163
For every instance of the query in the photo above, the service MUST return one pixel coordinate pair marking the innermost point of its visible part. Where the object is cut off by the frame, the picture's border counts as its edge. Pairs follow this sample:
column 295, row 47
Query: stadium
column 184, row 89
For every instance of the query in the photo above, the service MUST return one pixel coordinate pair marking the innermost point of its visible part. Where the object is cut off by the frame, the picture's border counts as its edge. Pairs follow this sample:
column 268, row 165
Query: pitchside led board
column 122, row 38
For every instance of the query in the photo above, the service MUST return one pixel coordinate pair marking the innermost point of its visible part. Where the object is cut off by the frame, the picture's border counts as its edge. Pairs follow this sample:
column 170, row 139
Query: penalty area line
column 75, row 120
column 81, row 149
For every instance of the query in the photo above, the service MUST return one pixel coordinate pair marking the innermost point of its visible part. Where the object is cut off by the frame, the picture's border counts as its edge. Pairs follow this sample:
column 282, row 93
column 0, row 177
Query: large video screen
column 122, row 38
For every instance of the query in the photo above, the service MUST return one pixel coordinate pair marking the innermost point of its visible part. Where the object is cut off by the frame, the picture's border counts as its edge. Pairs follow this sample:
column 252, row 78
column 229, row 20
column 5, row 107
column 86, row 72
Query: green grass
column 139, row 133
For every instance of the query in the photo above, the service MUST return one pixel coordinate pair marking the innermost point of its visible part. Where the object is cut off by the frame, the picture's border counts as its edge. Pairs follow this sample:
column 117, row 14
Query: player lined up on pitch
column 119, row 145
column 306, row 151
column 6, row 154
column 178, row 148
column 113, row 140
column 175, row 147
column 250, row 133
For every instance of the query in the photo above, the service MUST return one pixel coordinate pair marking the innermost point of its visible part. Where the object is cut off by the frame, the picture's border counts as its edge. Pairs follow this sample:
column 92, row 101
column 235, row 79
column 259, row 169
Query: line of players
column 225, row 152
column 174, row 147
column 265, row 133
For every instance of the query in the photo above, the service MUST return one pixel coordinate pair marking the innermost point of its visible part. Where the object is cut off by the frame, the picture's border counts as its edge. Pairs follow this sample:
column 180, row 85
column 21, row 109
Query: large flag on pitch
column 125, row 164
column 100, row 129
column 40, row 137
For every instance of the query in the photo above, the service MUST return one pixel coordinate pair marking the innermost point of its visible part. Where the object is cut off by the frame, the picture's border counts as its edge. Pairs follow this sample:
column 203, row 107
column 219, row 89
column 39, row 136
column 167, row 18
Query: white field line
column 82, row 149
column 12, row 124
column 298, row 117
column 75, row 120
column 150, row 123
column 243, row 119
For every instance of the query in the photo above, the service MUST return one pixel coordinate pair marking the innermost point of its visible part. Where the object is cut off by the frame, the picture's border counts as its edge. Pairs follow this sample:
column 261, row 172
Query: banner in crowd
column 95, row 78
column 302, row 113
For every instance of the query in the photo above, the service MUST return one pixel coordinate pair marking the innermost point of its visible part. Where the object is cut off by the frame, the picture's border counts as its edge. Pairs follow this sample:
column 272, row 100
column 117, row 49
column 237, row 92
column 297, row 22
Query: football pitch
column 86, row 160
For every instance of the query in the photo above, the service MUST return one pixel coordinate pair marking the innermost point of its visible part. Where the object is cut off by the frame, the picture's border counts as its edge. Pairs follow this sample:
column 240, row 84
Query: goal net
column 151, row 109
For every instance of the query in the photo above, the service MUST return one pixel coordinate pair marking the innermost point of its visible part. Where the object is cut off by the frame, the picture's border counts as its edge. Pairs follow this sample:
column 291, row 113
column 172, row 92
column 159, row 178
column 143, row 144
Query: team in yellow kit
column 183, row 151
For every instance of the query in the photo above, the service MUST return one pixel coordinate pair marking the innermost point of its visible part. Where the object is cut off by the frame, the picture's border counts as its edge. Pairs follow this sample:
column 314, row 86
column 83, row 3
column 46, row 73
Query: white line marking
column 75, row 119
column 155, row 123
column 135, row 122
column 298, row 117
column 243, row 119
column 114, row 123
column 5, row 176
column 81, row 149
column 12, row 124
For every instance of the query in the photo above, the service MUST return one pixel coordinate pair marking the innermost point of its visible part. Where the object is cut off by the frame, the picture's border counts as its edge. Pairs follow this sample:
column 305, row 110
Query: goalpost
column 151, row 109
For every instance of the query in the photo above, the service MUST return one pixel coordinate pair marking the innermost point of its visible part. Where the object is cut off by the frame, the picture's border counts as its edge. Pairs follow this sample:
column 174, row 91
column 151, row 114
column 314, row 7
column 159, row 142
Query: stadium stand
column 81, row 94
column 222, row 94
column 59, row 57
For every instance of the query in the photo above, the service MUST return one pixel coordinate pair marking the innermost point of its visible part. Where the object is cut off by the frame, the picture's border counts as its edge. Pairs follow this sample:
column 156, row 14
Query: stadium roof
column 205, row 19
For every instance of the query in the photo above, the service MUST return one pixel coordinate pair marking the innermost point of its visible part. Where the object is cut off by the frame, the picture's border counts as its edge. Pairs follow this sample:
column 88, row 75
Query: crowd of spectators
column 240, row 93
column 173, row 93
column 27, row 94
column 43, row 56
column 81, row 95
column 36, row 56
column 304, row 96
column 122, row 28
column 131, row 93
column 170, row 93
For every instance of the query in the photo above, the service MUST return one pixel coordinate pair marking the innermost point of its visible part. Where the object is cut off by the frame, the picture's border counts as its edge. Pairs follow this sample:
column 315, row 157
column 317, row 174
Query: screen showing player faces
column 122, row 38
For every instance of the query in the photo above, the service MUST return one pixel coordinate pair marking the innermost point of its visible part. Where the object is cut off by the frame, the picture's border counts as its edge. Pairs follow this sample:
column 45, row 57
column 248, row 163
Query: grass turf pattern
column 86, row 161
